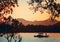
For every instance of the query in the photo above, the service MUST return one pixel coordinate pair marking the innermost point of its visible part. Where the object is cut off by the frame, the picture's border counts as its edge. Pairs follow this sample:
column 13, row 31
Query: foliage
column 50, row 5
column 6, row 7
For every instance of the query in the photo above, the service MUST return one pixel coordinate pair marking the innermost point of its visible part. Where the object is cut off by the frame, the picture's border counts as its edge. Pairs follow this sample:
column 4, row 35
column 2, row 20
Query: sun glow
column 23, row 12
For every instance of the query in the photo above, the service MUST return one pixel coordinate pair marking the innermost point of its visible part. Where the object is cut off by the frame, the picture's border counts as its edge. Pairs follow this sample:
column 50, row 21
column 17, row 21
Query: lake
column 29, row 37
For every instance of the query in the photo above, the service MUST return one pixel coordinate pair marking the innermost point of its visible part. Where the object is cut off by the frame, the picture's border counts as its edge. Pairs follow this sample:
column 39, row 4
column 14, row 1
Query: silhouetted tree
column 6, row 7
column 15, row 24
column 49, row 5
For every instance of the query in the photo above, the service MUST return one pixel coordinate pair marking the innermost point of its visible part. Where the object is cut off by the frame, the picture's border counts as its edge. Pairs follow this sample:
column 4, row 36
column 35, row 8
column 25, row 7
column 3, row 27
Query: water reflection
column 29, row 37
column 11, row 37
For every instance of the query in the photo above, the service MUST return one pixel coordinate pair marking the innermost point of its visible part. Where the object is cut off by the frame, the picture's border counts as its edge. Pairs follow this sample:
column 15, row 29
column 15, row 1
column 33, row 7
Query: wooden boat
column 41, row 35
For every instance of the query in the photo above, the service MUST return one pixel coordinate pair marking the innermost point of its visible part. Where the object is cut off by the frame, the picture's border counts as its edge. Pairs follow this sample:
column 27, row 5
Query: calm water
column 29, row 37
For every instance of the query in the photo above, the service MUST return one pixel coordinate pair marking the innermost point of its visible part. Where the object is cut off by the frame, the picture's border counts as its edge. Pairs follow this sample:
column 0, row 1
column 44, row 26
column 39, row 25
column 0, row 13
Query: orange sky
column 23, row 12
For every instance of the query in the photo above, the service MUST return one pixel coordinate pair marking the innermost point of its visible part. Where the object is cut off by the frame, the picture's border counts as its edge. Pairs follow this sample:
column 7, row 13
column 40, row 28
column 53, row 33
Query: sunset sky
column 24, row 12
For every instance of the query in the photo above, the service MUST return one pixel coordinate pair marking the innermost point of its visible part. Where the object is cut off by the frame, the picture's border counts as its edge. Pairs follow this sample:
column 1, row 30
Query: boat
column 40, row 35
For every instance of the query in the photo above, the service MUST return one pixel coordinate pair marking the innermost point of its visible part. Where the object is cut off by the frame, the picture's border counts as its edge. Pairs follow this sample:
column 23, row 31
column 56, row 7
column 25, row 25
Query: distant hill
column 46, row 22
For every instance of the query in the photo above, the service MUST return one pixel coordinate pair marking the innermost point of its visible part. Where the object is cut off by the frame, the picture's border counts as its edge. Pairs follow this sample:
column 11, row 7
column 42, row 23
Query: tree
column 50, row 5
column 6, row 7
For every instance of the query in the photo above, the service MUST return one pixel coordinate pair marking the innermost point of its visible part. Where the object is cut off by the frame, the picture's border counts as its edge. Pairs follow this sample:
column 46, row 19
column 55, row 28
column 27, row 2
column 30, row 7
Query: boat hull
column 40, row 36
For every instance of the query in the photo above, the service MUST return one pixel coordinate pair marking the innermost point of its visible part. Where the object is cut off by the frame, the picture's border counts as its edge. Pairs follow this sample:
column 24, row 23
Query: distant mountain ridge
column 46, row 22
